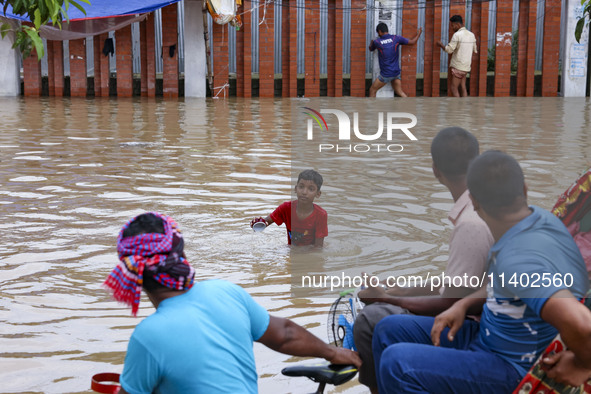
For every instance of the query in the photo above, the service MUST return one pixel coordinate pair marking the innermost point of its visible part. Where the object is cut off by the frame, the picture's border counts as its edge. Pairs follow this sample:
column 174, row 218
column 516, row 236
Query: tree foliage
column 39, row 12
column 581, row 22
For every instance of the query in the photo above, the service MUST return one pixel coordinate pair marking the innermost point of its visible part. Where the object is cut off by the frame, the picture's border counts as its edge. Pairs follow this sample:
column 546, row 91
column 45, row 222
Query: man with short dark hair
column 536, row 275
column 200, row 339
column 388, row 47
column 452, row 149
column 461, row 47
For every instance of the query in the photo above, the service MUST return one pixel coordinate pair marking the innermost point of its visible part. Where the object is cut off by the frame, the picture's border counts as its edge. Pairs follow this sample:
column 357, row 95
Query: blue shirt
column 533, row 260
column 197, row 342
column 388, row 47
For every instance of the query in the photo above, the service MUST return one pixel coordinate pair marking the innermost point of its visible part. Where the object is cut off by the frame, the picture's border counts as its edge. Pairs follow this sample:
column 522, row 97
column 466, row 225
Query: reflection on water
column 73, row 171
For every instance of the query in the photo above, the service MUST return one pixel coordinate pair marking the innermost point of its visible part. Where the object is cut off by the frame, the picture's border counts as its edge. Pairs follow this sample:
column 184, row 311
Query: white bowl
column 259, row 226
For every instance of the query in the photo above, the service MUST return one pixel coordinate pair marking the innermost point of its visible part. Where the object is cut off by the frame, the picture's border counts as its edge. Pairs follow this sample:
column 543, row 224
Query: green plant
column 581, row 22
column 39, row 12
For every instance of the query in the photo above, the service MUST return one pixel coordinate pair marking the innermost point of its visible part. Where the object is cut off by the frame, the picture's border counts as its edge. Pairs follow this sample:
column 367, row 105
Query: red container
column 106, row 383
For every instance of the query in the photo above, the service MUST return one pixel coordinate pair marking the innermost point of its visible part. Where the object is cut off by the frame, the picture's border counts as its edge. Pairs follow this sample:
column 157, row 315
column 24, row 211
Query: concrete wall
column 9, row 65
column 575, row 54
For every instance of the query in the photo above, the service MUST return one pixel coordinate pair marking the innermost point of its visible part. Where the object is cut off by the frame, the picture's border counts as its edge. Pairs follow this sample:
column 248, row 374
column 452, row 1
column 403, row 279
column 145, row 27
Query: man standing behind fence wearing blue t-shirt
column 388, row 47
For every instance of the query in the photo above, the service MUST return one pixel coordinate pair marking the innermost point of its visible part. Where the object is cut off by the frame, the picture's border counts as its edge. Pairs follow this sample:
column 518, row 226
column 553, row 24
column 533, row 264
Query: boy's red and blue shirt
column 301, row 232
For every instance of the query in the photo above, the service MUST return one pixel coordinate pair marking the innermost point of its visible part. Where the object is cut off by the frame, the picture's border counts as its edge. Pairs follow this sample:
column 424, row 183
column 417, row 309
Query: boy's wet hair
column 456, row 19
column 452, row 149
column 382, row 27
column 496, row 182
column 311, row 175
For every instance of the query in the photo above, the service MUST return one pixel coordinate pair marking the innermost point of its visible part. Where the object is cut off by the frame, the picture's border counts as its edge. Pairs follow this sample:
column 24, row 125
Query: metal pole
column 207, row 48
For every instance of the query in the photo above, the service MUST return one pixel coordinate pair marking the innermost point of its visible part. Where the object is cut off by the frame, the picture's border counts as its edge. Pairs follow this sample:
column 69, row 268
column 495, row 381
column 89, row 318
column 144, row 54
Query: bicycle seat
column 323, row 372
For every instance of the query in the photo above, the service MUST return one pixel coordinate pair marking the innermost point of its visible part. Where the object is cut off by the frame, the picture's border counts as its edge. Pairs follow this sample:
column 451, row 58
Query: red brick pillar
column 240, row 54
column 170, row 65
column 358, row 47
column 531, row 48
column 475, row 28
column 285, row 26
column 482, row 38
column 312, row 51
column 410, row 19
column 78, row 68
column 247, row 49
column 437, row 51
column 50, row 69
column 97, row 53
column 551, row 47
column 104, row 68
column 503, row 48
column 338, row 49
column 293, row 54
column 430, row 49
column 58, row 67
column 522, row 58
column 330, row 46
column 32, row 75
column 148, row 56
column 220, row 60
column 267, row 50
column 124, row 62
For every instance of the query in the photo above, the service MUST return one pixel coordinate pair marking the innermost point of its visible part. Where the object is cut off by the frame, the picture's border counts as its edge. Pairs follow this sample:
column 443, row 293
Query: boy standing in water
column 309, row 224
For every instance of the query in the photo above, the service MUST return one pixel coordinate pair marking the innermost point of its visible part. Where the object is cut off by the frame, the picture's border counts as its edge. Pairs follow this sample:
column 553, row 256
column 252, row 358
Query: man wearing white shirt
column 461, row 47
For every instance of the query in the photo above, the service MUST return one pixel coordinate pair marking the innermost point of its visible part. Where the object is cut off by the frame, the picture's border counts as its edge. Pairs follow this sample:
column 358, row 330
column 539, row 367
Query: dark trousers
column 365, row 323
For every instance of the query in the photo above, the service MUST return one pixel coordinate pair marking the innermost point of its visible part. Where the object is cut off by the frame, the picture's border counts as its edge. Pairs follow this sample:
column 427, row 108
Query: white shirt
column 461, row 47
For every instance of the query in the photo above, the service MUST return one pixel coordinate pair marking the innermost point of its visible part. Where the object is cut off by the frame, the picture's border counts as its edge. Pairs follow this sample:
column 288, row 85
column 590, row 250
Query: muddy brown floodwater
column 73, row 171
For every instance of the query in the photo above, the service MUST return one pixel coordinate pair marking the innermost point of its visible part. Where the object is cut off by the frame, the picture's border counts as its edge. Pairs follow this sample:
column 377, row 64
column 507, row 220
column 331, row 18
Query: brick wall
column 170, row 64
column 50, row 68
column 358, row 48
column 148, row 57
column 246, row 44
column 482, row 36
column 78, row 68
column 97, row 53
column 531, row 48
column 475, row 28
column 240, row 56
column 331, row 41
column 551, row 48
column 124, row 58
column 105, row 71
column 503, row 48
column 430, row 49
column 286, row 26
column 293, row 53
column 338, row 51
column 408, row 53
column 220, row 60
column 267, row 50
column 32, row 75
column 435, row 70
column 312, row 49
column 526, row 50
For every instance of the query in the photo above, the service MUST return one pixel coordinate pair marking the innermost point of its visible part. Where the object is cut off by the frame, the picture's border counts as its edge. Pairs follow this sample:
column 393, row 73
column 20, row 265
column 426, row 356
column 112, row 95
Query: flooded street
column 72, row 172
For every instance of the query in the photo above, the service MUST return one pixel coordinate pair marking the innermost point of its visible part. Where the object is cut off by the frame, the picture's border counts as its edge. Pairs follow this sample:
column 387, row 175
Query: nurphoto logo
column 393, row 124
